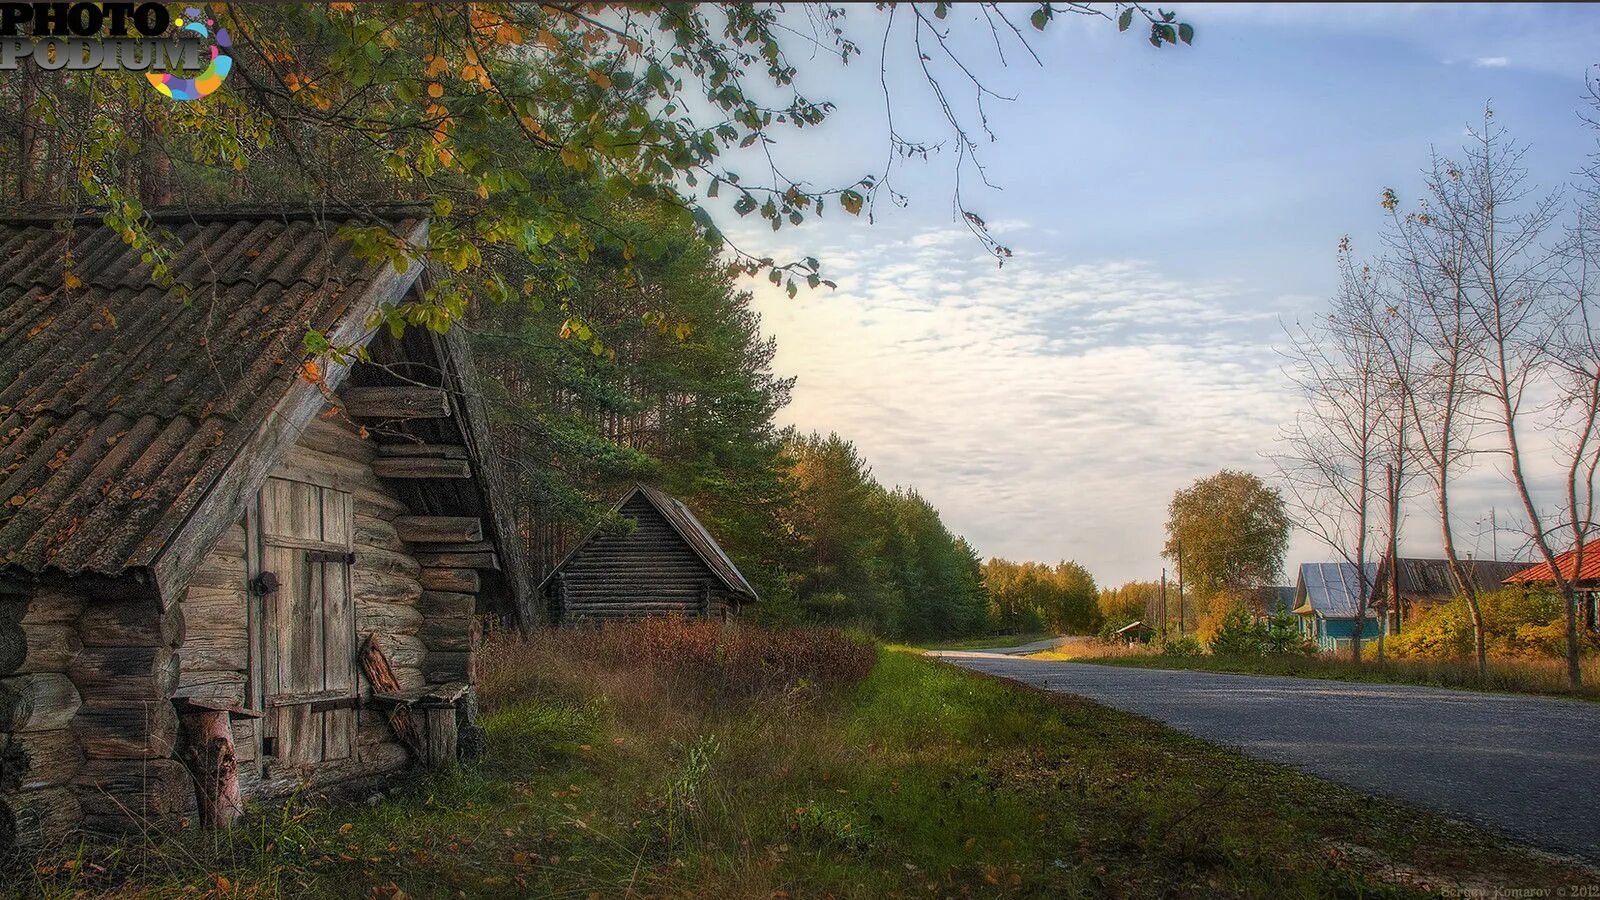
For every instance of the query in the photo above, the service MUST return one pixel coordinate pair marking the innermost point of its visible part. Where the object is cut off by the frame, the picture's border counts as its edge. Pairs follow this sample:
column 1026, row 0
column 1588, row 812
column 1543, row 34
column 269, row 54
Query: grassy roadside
column 993, row 640
column 918, row 780
column 1515, row 676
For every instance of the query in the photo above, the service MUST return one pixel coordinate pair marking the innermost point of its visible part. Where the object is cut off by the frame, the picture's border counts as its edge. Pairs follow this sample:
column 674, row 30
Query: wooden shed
column 230, row 569
column 667, row 563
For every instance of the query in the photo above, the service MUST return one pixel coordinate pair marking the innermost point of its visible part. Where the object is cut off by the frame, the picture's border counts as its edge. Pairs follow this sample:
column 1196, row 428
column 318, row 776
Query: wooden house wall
column 88, row 730
column 647, row 572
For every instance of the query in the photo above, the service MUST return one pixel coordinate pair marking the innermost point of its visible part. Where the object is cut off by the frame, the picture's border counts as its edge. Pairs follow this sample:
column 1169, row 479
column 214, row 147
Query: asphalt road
column 1527, row 767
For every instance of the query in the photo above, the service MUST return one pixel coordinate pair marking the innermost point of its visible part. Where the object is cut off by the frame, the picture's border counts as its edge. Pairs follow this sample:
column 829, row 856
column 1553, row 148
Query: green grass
column 1517, row 676
column 993, row 640
column 921, row 780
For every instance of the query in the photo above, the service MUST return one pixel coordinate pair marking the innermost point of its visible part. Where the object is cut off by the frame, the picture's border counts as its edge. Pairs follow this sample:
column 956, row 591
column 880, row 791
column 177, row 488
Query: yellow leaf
column 71, row 281
column 600, row 78
column 435, row 90
column 346, row 828
column 436, row 66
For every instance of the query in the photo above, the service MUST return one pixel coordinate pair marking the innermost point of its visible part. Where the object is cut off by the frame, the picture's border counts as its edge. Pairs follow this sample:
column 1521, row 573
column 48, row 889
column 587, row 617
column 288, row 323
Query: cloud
column 1048, row 410
column 1490, row 62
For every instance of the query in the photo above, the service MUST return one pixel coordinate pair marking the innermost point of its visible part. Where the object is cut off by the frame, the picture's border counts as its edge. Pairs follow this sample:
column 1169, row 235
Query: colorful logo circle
column 207, row 82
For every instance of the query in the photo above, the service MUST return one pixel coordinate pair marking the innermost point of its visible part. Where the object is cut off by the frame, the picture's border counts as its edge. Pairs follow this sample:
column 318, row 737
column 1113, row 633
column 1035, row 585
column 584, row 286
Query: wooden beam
column 464, row 581
column 459, row 560
column 420, row 467
column 405, row 402
column 445, row 451
column 439, row 529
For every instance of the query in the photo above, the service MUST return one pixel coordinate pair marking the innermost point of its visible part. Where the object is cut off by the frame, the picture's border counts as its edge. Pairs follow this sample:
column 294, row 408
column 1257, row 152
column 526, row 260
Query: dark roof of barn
column 1430, row 578
column 689, row 528
column 120, row 403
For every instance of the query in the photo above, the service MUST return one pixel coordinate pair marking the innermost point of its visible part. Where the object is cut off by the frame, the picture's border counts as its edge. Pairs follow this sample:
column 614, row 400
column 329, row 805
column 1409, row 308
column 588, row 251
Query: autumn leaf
column 72, row 281
column 311, row 372
column 435, row 90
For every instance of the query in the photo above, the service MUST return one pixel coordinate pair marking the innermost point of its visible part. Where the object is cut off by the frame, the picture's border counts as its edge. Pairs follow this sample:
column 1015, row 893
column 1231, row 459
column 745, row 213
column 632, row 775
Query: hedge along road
column 1527, row 767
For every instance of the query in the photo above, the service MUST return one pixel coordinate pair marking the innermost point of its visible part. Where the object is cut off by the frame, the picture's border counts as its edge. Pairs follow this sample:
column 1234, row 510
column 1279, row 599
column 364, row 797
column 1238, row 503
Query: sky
column 1169, row 210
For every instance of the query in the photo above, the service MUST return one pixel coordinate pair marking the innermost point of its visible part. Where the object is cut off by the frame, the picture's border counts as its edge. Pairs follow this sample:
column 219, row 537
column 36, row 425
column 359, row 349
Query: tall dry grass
column 1518, row 675
column 699, row 663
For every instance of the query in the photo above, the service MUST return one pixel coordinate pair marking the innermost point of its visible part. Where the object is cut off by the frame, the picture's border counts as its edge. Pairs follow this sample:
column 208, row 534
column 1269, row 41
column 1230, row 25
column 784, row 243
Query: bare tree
column 1330, row 457
column 1428, row 268
column 1520, row 295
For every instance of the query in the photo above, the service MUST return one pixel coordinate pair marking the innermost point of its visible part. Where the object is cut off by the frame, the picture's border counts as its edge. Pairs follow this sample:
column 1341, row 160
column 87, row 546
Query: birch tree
column 1521, row 296
column 1427, row 264
column 1329, row 457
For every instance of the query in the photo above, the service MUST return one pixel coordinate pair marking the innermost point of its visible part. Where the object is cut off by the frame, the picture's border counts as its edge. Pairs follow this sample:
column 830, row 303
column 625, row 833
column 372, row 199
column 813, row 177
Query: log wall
column 89, row 736
column 39, row 753
column 647, row 572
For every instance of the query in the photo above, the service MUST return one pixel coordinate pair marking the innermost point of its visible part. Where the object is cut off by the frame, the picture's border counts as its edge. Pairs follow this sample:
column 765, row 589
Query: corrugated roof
column 1332, row 589
column 119, row 403
column 1430, row 579
column 1540, row 572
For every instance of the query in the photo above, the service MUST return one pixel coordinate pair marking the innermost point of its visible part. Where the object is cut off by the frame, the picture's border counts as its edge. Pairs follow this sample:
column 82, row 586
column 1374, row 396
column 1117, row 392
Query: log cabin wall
column 386, row 591
column 39, row 752
column 650, row 571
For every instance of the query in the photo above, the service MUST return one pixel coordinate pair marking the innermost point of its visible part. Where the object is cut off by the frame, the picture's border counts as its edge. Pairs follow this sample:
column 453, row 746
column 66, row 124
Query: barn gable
column 201, row 536
column 667, row 564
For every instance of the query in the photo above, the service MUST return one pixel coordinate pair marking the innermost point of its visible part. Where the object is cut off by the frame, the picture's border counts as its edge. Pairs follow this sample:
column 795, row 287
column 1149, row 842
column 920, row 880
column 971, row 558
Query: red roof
column 1540, row 572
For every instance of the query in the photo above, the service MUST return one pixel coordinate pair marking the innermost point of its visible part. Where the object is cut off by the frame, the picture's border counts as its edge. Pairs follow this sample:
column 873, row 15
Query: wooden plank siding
column 649, row 571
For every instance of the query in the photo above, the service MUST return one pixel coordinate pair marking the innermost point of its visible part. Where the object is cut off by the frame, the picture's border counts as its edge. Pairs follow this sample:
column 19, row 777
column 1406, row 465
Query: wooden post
column 1180, row 589
column 209, row 753
column 441, row 753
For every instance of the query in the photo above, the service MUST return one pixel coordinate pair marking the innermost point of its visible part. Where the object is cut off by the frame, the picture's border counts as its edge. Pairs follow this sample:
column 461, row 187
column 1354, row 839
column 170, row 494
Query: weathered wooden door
column 307, row 641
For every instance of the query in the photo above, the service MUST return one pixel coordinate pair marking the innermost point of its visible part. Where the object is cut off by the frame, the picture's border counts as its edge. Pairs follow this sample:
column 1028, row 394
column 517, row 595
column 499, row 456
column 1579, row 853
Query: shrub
column 1283, row 635
column 707, row 661
column 1184, row 645
column 1238, row 634
column 1516, row 623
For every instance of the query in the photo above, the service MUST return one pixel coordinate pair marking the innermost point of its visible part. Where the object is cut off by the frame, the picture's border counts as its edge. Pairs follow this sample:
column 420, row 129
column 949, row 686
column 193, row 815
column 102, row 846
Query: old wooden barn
column 228, row 569
column 666, row 564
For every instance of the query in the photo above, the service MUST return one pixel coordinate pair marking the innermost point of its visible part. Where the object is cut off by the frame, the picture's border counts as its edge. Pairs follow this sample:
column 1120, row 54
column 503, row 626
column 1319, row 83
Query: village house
column 1584, row 575
column 666, row 563
column 1327, row 600
column 230, row 569
column 1426, row 583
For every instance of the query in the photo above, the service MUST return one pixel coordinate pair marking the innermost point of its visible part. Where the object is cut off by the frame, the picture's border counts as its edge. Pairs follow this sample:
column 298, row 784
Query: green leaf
column 1124, row 20
column 1040, row 17
column 1186, row 32
column 852, row 201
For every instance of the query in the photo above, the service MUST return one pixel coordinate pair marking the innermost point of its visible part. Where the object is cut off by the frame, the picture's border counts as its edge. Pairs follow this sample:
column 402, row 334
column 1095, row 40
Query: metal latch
column 264, row 583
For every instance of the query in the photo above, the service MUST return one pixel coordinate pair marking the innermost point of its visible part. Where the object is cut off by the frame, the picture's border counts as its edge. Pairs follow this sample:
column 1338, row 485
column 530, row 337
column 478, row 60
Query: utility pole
column 1494, row 533
column 1163, row 603
column 1392, row 590
column 1180, row 589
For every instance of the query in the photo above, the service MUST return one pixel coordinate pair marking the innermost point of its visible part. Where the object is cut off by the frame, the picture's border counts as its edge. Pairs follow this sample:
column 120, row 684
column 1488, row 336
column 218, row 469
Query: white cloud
column 1490, row 62
column 1049, row 411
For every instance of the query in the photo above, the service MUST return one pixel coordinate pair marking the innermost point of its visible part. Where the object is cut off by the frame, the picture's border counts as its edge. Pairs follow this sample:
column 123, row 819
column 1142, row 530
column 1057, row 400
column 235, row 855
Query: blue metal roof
column 1332, row 590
